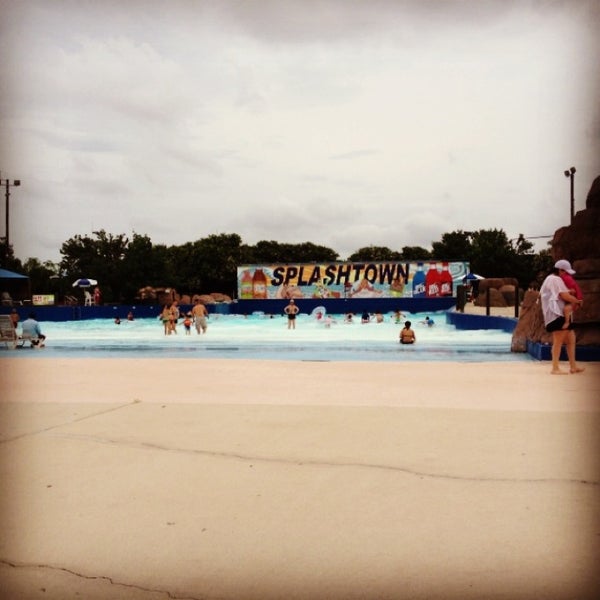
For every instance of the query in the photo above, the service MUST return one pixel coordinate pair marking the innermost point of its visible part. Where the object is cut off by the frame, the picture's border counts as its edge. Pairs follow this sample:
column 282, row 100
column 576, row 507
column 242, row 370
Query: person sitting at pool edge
column 30, row 329
column 407, row 335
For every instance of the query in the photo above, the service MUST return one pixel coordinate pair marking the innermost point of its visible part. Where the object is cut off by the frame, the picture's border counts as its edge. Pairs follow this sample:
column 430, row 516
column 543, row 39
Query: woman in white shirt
column 553, row 295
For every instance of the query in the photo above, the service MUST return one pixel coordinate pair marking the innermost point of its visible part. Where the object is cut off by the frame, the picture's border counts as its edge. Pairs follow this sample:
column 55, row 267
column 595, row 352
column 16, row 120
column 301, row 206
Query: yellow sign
column 43, row 299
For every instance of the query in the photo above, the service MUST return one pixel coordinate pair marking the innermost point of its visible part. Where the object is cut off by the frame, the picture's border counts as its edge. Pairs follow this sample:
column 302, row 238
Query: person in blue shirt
column 30, row 329
column 429, row 322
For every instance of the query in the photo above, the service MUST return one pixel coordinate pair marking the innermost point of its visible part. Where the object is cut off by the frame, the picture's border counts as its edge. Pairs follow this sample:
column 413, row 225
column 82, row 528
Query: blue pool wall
column 241, row 307
column 466, row 321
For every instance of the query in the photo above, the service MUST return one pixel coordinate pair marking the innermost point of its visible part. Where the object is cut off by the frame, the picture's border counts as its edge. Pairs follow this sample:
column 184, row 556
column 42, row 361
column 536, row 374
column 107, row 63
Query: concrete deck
column 244, row 480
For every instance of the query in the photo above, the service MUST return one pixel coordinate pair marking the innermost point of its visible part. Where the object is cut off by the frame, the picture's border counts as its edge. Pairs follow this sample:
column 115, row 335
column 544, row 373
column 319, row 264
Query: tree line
column 123, row 264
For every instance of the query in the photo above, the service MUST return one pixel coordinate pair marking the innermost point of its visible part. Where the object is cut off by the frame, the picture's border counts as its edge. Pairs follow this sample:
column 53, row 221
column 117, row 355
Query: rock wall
column 167, row 295
column 501, row 291
column 579, row 243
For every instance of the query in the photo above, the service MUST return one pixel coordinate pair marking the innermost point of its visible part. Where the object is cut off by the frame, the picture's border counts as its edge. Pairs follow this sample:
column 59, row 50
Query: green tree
column 123, row 266
column 415, row 253
column 212, row 265
column 309, row 252
column 491, row 254
column 374, row 254
column 270, row 252
column 542, row 264
column 522, row 246
column 184, row 268
column 494, row 255
column 100, row 259
column 143, row 265
column 41, row 276
column 522, row 261
column 455, row 245
column 8, row 259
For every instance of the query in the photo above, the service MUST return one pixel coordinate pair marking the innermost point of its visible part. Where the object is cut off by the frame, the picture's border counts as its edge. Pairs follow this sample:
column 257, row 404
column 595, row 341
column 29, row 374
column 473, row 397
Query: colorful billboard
column 414, row 279
column 42, row 299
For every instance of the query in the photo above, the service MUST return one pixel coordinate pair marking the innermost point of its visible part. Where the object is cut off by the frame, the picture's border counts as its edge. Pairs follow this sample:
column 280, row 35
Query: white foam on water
column 267, row 337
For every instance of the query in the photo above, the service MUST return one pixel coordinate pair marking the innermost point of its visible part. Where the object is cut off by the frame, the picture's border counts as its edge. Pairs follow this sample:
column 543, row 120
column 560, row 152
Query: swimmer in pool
column 398, row 316
column 291, row 310
column 407, row 335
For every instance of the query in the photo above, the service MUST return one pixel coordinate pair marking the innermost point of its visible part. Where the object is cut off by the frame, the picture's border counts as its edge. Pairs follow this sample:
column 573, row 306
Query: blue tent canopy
column 474, row 277
column 14, row 287
column 4, row 274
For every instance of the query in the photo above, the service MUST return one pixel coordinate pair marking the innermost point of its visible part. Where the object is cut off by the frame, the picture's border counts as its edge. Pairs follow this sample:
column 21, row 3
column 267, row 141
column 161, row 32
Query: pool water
column 267, row 337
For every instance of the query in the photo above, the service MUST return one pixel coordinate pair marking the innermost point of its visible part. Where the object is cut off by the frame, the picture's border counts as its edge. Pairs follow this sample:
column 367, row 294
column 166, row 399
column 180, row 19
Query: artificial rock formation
column 501, row 291
column 579, row 243
column 162, row 296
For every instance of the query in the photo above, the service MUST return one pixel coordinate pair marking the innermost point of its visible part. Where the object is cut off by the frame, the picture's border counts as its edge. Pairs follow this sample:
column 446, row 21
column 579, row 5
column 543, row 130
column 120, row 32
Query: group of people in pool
column 130, row 317
column 197, row 317
column 407, row 334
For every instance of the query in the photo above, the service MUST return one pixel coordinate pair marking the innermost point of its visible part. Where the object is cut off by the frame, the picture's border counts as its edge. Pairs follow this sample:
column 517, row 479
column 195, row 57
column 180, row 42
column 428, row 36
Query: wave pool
column 266, row 337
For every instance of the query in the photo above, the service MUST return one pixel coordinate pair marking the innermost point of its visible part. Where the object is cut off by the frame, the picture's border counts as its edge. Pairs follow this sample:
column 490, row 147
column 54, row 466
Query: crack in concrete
column 322, row 463
column 58, row 425
column 167, row 593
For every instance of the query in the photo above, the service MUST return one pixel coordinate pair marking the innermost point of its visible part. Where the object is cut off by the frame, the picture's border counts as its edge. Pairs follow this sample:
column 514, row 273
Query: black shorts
column 557, row 325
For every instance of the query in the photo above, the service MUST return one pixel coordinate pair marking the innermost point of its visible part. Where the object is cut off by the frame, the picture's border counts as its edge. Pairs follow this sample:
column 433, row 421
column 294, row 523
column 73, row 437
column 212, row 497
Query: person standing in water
column 200, row 315
column 165, row 317
column 291, row 310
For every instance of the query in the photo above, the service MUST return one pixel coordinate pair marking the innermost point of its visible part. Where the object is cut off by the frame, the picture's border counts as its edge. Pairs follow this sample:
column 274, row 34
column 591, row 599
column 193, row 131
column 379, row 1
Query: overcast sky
column 345, row 123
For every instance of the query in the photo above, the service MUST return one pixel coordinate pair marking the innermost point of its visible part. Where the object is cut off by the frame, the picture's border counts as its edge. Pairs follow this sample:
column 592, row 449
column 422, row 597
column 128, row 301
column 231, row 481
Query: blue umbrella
column 84, row 282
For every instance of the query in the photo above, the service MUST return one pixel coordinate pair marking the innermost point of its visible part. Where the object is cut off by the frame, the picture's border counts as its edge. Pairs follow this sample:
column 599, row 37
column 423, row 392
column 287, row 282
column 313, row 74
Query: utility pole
column 571, row 174
column 7, row 183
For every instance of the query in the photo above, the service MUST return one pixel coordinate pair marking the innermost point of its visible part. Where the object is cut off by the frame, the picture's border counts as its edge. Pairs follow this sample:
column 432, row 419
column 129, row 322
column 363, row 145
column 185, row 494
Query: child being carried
column 566, row 275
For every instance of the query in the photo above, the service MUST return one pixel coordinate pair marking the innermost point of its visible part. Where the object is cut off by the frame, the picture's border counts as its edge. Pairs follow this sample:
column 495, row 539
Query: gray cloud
column 337, row 122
